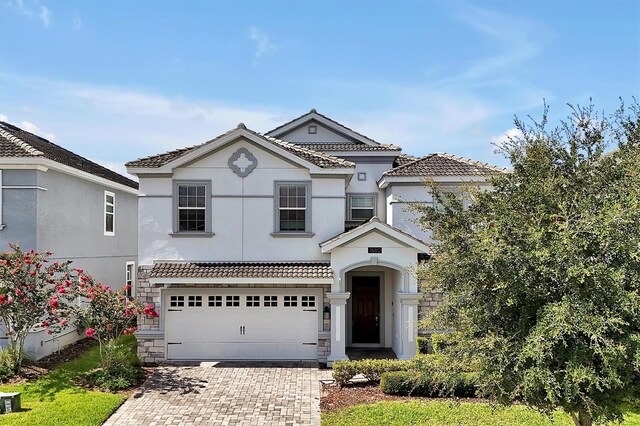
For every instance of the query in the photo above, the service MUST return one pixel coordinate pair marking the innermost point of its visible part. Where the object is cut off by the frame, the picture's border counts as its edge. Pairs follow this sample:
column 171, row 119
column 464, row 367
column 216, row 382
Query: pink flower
column 19, row 292
column 45, row 323
column 127, row 312
column 32, row 273
column 54, row 302
column 61, row 289
column 90, row 332
column 149, row 309
column 64, row 323
column 25, row 300
column 48, row 331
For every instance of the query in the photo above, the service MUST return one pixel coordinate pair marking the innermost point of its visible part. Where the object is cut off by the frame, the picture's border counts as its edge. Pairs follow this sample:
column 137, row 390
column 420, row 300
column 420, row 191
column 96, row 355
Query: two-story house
column 294, row 244
column 54, row 200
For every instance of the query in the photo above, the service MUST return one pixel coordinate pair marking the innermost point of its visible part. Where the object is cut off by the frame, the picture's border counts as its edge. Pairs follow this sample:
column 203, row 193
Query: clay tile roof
column 444, row 165
column 241, row 270
column 15, row 142
column 341, row 146
column 320, row 159
column 404, row 159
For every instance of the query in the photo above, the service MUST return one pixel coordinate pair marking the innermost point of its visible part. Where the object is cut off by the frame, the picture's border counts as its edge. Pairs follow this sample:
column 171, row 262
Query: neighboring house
column 289, row 245
column 55, row 200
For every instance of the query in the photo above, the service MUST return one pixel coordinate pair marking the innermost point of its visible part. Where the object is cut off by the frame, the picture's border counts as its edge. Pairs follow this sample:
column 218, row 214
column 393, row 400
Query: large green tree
column 542, row 273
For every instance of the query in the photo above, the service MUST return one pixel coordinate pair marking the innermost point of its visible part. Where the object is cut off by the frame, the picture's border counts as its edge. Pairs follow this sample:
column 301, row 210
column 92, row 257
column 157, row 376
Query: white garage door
column 242, row 324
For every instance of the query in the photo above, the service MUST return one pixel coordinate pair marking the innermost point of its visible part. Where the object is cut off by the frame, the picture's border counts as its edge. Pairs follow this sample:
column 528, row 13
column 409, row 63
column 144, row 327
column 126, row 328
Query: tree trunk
column 582, row 418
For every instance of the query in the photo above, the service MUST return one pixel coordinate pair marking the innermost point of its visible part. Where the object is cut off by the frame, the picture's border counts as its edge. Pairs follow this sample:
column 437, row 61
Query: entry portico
column 374, row 295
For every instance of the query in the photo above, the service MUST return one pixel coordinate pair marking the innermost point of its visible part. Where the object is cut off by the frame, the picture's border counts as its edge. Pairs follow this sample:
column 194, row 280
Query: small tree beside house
column 32, row 291
column 542, row 273
column 37, row 292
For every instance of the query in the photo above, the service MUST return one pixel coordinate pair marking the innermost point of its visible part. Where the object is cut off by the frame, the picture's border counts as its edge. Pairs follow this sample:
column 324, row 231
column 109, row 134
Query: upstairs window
column 109, row 213
column 361, row 207
column 292, row 207
column 192, row 202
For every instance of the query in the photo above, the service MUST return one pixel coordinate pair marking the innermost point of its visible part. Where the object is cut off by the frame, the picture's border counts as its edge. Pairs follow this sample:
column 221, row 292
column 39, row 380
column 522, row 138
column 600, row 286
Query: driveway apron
column 226, row 393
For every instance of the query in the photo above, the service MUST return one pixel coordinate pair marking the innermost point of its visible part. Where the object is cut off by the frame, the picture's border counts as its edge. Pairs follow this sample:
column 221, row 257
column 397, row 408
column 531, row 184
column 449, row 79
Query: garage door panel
column 230, row 325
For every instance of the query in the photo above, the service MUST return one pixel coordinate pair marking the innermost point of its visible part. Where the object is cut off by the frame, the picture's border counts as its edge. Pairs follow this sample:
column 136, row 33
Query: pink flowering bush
column 35, row 291
column 107, row 314
column 29, row 292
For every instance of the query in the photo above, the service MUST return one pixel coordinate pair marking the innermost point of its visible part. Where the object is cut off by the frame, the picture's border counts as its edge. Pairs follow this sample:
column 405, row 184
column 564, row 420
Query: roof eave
column 373, row 225
column 386, row 181
column 50, row 164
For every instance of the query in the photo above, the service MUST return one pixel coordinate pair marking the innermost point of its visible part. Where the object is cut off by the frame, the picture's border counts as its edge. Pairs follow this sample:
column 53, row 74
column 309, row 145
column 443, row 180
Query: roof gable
column 18, row 143
column 349, row 135
column 166, row 162
column 374, row 225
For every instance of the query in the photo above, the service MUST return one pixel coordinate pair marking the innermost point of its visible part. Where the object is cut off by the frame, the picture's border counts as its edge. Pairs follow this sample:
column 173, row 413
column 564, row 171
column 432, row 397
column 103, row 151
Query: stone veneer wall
column 427, row 304
column 151, row 348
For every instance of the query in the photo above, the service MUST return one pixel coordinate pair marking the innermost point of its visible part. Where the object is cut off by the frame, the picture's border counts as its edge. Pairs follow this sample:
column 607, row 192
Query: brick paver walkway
column 227, row 394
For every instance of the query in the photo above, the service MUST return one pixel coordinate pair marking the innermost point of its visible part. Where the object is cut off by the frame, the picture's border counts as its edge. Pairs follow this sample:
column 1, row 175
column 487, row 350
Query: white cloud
column 45, row 15
column 263, row 43
column 32, row 128
column 31, row 9
column 508, row 136
column 516, row 38
column 76, row 22
column 3, row 117
column 116, row 125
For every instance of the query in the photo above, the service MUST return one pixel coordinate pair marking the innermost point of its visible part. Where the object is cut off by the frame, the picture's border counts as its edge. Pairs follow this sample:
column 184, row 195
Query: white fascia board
column 45, row 163
column 327, row 123
column 385, row 181
column 240, row 281
column 375, row 226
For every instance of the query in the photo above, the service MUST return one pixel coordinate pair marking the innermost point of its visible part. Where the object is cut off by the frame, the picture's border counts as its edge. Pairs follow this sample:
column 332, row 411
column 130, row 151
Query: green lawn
column 448, row 413
column 54, row 400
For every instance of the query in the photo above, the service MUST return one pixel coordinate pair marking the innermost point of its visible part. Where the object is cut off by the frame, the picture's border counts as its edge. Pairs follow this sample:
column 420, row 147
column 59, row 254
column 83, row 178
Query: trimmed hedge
column 421, row 384
column 423, row 344
column 371, row 369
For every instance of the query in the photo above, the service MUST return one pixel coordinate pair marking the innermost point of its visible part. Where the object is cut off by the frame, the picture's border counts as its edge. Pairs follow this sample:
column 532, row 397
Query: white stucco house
column 290, row 245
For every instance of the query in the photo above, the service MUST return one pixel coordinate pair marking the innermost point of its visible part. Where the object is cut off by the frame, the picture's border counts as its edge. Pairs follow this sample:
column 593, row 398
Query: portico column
column 338, row 326
column 409, row 314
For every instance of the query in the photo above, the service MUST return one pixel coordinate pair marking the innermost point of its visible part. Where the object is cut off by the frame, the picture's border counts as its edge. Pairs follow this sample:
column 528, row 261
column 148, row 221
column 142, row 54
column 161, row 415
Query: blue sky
column 117, row 80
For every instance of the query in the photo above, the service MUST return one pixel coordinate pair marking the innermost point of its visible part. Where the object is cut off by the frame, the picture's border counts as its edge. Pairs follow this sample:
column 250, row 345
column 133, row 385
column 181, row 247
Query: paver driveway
column 227, row 393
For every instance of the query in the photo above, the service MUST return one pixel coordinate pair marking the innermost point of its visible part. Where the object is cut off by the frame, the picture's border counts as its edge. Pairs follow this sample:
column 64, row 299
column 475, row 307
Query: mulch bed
column 336, row 398
column 31, row 371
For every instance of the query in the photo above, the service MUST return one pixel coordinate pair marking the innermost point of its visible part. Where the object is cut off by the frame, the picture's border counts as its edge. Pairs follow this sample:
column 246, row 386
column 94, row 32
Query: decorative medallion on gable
column 242, row 162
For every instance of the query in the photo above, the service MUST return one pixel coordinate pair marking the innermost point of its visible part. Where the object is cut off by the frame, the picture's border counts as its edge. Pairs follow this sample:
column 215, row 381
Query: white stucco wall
column 398, row 199
column 242, row 211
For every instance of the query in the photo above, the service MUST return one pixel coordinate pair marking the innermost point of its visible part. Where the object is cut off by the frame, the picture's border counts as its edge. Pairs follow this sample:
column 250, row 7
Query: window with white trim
column 308, row 302
column 215, row 301
column 176, row 301
column 361, row 206
column 192, row 207
column 232, row 301
column 290, row 301
column 253, row 301
column 130, row 278
column 270, row 301
column 109, row 213
column 195, row 301
column 293, row 207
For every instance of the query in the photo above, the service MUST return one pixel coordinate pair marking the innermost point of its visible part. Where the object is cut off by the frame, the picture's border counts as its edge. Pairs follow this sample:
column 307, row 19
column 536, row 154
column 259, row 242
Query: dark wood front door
column 365, row 308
